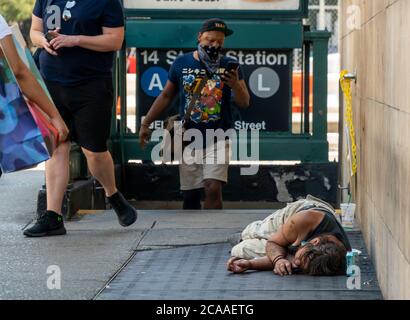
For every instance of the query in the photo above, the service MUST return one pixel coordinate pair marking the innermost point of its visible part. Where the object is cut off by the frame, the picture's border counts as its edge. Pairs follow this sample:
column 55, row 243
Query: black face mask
column 213, row 52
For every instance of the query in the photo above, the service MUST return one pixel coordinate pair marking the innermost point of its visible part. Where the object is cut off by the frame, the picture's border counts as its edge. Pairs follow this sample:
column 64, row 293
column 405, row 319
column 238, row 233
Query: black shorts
column 87, row 111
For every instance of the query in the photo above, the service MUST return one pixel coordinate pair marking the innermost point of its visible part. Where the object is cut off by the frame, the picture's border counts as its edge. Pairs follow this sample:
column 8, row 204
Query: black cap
column 216, row 25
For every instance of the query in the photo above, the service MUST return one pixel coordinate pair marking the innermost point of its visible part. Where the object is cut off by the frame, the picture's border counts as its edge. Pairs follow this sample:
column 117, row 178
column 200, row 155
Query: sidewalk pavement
column 99, row 259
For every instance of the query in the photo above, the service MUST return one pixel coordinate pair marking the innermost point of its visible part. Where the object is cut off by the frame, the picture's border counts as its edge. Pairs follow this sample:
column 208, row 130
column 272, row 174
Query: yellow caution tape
column 346, row 88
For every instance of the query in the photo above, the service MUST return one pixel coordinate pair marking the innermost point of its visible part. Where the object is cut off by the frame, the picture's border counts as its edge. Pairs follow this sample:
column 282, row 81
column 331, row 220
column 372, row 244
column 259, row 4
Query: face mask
column 210, row 57
column 212, row 52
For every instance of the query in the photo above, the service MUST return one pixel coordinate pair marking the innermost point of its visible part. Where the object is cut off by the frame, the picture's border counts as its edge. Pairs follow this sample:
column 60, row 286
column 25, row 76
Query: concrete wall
column 379, row 50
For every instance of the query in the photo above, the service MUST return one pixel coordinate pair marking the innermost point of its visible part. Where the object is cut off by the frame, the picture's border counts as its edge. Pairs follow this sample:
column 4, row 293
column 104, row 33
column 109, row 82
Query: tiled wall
column 379, row 50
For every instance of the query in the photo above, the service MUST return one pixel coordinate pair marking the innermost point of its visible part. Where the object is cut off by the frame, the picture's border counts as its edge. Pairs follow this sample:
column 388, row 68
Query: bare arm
column 161, row 103
column 158, row 107
column 37, row 35
column 110, row 40
column 28, row 83
column 30, row 86
column 241, row 94
column 276, row 248
column 261, row 264
column 237, row 265
column 292, row 232
column 240, row 91
column 277, row 245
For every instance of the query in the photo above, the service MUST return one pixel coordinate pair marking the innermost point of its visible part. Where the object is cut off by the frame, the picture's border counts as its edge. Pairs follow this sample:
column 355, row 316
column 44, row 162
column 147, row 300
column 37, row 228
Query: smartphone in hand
column 232, row 66
column 49, row 36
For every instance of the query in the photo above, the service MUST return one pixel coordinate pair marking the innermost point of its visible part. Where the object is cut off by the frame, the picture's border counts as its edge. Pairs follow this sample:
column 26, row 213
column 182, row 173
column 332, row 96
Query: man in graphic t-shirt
column 211, row 110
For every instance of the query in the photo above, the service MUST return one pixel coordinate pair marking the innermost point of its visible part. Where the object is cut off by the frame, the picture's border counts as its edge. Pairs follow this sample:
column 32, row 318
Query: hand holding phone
column 230, row 76
column 232, row 66
column 49, row 36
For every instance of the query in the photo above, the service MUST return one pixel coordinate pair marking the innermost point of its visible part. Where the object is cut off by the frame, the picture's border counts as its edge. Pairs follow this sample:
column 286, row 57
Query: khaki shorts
column 193, row 170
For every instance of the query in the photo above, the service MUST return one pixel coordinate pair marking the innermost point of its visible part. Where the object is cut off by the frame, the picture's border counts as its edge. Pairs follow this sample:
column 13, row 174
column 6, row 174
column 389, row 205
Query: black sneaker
column 48, row 224
column 126, row 213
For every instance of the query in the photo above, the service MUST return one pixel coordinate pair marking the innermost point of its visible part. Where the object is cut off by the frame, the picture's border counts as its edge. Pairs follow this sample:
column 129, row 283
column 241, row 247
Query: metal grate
column 324, row 14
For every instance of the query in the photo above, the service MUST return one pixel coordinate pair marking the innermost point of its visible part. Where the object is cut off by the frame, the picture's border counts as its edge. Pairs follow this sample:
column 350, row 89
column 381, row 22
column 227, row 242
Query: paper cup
column 348, row 214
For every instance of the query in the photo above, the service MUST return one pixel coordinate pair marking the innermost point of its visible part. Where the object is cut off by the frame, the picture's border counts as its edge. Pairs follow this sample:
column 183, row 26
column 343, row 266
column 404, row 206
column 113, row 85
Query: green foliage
column 16, row 10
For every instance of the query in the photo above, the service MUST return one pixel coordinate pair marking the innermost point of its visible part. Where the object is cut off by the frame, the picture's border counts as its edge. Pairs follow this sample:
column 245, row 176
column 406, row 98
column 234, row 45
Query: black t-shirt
column 329, row 225
column 212, row 110
column 76, row 65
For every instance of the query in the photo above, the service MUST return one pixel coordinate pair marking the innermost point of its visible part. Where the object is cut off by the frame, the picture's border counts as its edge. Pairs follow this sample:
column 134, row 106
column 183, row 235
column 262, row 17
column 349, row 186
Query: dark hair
column 324, row 259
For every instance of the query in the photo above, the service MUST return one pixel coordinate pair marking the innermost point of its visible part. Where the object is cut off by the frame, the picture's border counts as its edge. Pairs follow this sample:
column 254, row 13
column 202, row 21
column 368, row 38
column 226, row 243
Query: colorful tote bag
column 48, row 131
column 21, row 142
column 50, row 134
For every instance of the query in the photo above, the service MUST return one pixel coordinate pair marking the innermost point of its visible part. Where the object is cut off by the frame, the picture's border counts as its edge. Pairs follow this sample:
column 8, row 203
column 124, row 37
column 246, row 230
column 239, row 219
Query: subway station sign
column 267, row 75
column 268, row 5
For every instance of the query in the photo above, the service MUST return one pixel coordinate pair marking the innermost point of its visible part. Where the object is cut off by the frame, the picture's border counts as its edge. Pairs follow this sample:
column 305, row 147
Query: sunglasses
column 67, row 13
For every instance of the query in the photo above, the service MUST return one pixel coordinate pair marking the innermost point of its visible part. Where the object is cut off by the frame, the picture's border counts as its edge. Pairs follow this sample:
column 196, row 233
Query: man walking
column 76, row 64
column 208, row 110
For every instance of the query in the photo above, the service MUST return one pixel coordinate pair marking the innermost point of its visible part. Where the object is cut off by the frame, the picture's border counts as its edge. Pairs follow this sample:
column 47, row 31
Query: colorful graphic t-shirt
column 212, row 109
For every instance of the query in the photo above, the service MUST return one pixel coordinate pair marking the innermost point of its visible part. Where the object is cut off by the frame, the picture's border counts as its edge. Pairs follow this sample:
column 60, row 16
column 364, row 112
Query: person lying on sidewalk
column 304, row 237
